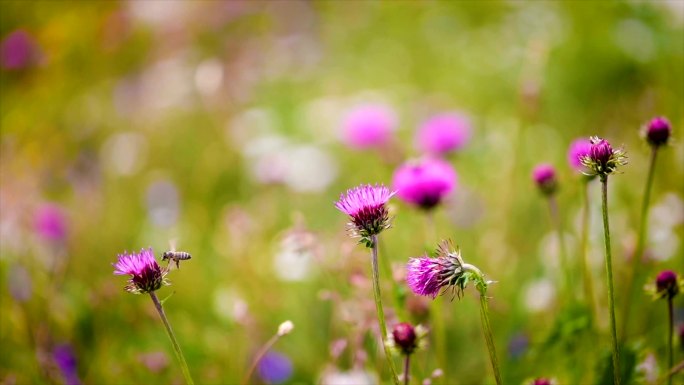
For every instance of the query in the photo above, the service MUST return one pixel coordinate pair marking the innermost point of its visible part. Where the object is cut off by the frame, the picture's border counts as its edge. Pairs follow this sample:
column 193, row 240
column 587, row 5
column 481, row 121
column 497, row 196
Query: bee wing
column 172, row 244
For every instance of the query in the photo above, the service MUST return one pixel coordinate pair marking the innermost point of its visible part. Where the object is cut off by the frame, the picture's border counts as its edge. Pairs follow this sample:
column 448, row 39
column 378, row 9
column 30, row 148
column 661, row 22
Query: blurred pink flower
column 579, row 148
column 444, row 133
column 50, row 222
column 369, row 126
column 425, row 182
column 544, row 175
column 17, row 50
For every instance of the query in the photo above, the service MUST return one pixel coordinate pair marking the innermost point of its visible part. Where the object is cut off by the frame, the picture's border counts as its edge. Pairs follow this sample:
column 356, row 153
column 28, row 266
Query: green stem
column 172, row 337
column 641, row 241
column 378, row 307
column 566, row 275
column 609, row 276
column 588, row 277
column 670, row 316
column 260, row 354
column 407, row 361
column 489, row 338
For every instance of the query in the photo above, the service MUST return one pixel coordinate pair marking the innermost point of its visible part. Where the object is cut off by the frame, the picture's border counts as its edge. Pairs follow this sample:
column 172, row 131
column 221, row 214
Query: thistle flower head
column 443, row 133
column 146, row 274
column 579, row 148
column 657, row 131
column 602, row 159
column 369, row 126
column 667, row 284
column 429, row 276
column 425, row 182
column 405, row 338
column 544, row 175
column 366, row 206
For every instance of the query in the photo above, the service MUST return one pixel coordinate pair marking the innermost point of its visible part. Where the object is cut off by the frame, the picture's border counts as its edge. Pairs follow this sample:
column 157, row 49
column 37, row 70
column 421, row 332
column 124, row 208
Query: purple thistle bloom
column 17, row 50
column 275, row 368
column 602, row 158
column 544, row 175
column 427, row 276
column 50, row 222
column 64, row 357
column 657, row 131
column 146, row 274
column 404, row 337
column 444, row 133
column 667, row 285
column 424, row 183
column 369, row 126
column 579, row 148
column 366, row 206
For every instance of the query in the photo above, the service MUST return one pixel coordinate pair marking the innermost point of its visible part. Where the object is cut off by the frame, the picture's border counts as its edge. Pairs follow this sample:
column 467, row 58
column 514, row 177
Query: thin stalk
column 584, row 260
column 670, row 316
column 407, row 362
column 558, row 227
column 378, row 307
column 489, row 338
column 641, row 241
column 172, row 337
column 609, row 277
column 260, row 354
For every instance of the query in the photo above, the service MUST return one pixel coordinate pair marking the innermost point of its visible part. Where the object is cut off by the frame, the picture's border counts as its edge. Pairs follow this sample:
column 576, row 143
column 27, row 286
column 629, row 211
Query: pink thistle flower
column 657, row 131
column 146, row 274
column 366, row 207
column 424, row 183
column 444, row 133
column 667, row 284
column 50, row 222
column 602, row 159
column 369, row 126
column 579, row 148
column 544, row 175
column 427, row 276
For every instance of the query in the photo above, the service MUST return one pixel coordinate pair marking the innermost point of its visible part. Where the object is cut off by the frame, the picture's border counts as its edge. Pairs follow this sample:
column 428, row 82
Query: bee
column 176, row 256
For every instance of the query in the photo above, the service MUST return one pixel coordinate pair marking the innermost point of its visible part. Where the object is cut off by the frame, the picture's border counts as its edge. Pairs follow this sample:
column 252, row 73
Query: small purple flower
column 424, row 183
column 657, row 131
column 366, row 206
column 579, row 148
column 404, row 337
column 17, row 50
column 146, row 274
column 667, row 284
column 50, row 222
column 64, row 357
column 444, row 133
column 544, row 175
column 275, row 368
column 427, row 276
column 602, row 159
column 369, row 126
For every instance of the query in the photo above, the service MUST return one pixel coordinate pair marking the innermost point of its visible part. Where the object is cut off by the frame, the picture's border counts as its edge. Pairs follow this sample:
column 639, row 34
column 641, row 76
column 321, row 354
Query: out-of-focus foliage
column 217, row 123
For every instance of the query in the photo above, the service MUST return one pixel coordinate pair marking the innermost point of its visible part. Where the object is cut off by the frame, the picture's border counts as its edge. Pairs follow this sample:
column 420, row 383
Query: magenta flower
column 657, row 131
column 146, row 274
column 667, row 284
column 17, row 50
column 602, row 159
column 404, row 337
column 544, row 175
column 424, row 183
column 50, row 222
column 366, row 207
column 427, row 276
column 444, row 133
column 579, row 148
column 369, row 126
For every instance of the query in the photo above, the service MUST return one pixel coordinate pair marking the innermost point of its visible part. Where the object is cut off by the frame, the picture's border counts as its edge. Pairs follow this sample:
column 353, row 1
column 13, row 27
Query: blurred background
column 224, row 125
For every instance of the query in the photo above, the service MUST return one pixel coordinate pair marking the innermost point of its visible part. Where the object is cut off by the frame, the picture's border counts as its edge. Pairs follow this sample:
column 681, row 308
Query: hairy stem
column 407, row 362
column 172, row 337
column 641, row 241
column 489, row 338
column 609, row 277
column 379, row 309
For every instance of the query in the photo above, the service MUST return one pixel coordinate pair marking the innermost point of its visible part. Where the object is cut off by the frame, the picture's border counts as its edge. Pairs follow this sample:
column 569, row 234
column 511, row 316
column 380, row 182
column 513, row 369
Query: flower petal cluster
column 425, row 182
column 579, row 148
column 444, row 133
column 369, row 126
column 667, row 284
column 146, row 274
column 366, row 206
column 603, row 159
column 544, row 175
column 405, row 338
column 657, row 132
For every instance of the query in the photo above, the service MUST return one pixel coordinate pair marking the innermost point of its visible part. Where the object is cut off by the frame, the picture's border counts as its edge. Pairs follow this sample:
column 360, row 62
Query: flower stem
column 609, row 276
column 260, row 354
column 588, row 277
column 641, row 241
column 172, row 337
column 407, row 362
column 566, row 275
column 378, row 307
column 489, row 338
column 670, row 316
